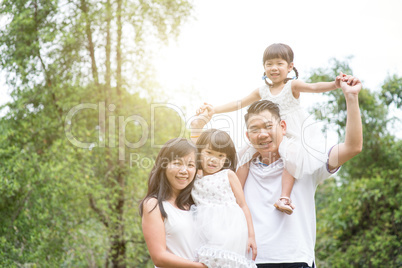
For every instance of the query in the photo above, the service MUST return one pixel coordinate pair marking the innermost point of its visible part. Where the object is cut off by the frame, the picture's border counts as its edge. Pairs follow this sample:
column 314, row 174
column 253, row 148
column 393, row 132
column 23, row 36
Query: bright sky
column 218, row 56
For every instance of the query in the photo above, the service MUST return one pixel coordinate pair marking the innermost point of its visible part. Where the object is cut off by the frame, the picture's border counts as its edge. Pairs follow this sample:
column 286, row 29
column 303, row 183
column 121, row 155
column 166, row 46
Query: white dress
column 298, row 126
column 220, row 223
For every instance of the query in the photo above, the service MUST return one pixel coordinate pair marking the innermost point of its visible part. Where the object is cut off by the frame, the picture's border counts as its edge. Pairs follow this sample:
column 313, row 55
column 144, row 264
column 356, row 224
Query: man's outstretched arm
column 343, row 152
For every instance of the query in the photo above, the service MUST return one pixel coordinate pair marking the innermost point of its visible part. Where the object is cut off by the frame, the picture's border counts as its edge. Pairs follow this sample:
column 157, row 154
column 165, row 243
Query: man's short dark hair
column 262, row 105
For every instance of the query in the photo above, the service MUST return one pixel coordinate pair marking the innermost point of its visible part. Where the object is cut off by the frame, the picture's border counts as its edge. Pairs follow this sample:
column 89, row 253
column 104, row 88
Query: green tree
column 70, row 182
column 359, row 217
column 392, row 91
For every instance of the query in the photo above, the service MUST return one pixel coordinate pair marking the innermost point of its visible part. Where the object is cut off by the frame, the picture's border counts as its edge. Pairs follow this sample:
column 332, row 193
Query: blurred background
column 90, row 90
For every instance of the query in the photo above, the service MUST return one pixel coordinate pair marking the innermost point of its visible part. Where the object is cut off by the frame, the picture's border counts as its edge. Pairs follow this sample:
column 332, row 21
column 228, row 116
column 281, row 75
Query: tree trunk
column 118, row 48
column 108, row 47
column 118, row 246
column 91, row 47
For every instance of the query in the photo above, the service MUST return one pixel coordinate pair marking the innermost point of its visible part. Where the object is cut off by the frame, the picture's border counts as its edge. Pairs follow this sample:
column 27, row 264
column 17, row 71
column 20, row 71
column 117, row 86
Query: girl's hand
column 339, row 79
column 202, row 118
column 203, row 108
column 253, row 245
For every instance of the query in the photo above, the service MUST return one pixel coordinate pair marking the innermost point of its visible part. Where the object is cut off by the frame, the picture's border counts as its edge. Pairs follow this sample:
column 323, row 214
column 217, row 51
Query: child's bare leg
column 287, row 183
column 284, row 203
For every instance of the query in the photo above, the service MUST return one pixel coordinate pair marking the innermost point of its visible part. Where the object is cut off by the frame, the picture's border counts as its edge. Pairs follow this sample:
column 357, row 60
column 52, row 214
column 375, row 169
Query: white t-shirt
column 283, row 238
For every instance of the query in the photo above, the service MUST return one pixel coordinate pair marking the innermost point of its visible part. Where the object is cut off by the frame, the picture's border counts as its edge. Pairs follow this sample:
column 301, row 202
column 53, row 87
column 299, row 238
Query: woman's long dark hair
column 158, row 184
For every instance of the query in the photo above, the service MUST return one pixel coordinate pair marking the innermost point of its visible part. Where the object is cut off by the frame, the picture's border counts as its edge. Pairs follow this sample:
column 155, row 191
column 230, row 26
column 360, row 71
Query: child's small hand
column 206, row 107
column 339, row 79
column 253, row 245
column 202, row 118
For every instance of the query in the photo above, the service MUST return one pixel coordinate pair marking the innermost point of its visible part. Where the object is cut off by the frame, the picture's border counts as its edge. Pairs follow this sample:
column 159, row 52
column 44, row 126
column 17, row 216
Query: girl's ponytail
column 296, row 72
column 297, row 76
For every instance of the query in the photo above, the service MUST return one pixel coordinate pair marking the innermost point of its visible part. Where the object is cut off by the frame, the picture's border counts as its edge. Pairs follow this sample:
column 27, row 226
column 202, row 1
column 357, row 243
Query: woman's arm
column 153, row 228
column 241, row 201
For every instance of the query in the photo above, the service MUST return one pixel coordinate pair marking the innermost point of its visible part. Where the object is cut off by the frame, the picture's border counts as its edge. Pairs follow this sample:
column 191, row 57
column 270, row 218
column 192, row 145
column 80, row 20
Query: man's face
column 265, row 133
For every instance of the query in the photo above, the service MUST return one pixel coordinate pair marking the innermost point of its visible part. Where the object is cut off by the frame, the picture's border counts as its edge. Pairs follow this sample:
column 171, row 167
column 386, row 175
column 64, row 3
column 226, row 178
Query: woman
column 166, row 220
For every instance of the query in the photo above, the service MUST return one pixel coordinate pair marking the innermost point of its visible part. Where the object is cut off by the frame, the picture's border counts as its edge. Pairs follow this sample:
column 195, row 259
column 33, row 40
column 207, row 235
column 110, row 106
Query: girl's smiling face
column 212, row 161
column 277, row 69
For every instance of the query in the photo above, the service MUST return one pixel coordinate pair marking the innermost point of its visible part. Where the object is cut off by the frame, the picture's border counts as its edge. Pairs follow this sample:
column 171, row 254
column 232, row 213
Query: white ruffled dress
column 221, row 225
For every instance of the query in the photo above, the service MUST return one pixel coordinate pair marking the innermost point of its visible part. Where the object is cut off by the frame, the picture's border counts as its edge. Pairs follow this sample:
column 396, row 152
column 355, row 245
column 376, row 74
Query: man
column 282, row 240
column 285, row 241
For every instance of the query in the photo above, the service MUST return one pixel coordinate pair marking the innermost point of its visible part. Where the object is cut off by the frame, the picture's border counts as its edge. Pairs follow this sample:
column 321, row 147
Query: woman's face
column 180, row 172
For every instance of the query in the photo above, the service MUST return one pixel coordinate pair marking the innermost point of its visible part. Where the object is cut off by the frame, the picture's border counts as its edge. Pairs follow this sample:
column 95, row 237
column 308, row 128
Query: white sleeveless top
column 285, row 99
column 290, row 109
column 180, row 229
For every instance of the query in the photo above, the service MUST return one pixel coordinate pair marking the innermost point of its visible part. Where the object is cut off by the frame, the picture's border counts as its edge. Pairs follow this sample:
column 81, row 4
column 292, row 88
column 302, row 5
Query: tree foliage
column 392, row 91
column 359, row 217
column 70, row 182
column 69, row 204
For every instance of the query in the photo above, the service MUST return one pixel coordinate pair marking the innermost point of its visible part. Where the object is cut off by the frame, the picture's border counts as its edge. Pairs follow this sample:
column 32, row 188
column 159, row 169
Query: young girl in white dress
column 278, row 63
column 222, row 218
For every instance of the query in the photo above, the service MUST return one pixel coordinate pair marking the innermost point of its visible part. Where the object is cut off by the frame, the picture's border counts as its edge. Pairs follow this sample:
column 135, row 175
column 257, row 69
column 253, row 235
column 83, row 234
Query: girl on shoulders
column 277, row 63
